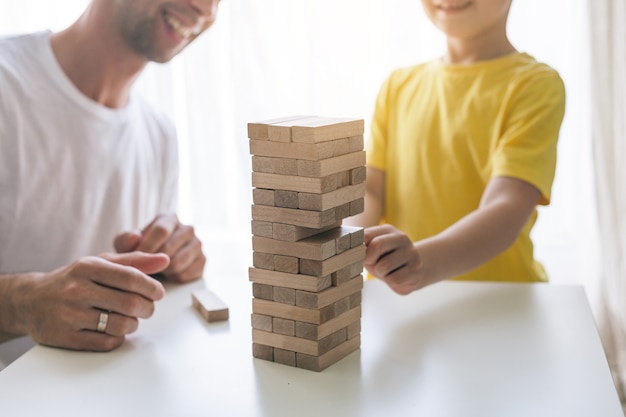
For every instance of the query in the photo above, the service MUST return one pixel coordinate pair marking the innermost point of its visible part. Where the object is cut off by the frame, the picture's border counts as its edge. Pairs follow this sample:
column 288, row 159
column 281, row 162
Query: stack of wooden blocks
column 308, row 175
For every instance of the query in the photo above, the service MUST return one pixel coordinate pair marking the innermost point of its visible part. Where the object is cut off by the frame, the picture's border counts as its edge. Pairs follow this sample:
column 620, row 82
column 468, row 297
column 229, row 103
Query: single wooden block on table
column 209, row 305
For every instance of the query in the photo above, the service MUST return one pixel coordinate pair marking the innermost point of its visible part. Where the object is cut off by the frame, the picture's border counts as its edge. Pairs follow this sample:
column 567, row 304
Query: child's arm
column 505, row 207
column 374, row 200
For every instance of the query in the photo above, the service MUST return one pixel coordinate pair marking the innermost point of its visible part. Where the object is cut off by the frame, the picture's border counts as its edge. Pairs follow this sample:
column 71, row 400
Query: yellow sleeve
column 528, row 144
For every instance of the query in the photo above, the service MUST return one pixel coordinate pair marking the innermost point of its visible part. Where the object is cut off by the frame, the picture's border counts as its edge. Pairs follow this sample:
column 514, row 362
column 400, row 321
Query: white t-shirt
column 73, row 173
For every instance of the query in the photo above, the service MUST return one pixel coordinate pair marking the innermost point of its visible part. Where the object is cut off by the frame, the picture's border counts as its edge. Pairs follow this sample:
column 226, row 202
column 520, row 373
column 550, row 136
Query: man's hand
column 62, row 308
column 167, row 235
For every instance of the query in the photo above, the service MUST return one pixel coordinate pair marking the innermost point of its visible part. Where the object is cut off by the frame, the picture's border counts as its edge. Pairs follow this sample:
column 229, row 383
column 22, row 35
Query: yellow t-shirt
column 441, row 132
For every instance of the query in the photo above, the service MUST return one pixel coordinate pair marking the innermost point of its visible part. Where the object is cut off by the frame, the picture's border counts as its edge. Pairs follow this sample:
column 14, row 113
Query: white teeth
column 179, row 27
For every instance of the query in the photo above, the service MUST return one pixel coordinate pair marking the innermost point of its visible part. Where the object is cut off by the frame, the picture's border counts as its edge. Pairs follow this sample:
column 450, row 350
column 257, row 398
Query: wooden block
column 355, row 299
column 289, row 264
column 357, row 175
column 290, row 312
column 303, row 218
column 263, row 291
column 329, row 166
column 332, row 199
column 263, row 352
column 333, row 264
column 284, row 198
column 319, row 363
column 355, row 143
column 270, row 165
column 347, row 273
column 343, row 243
column 292, row 233
column 319, row 331
column 357, row 206
column 342, row 306
column 320, row 246
column 258, row 130
column 354, row 329
column 309, row 151
column 357, row 237
column 295, row 281
column 310, row 248
column 263, row 260
column 210, row 306
column 264, row 229
column 342, row 211
column 327, row 313
column 320, row 129
column 328, row 296
column 285, row 357
column 264, row 197
column 283, row 326
column 284, row 295
column 282, row 131
column 297, row 344
column 299, row 184
column 261, row 322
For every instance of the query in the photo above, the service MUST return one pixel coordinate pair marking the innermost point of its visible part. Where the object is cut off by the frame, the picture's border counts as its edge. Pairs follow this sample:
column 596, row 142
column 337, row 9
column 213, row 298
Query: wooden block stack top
column 308, row 175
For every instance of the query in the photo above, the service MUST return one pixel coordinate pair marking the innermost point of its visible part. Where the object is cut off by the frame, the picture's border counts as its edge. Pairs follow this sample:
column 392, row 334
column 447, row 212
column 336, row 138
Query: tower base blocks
column 308, row 175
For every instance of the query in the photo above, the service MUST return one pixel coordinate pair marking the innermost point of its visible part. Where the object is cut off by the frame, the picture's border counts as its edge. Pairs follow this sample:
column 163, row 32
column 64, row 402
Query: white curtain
column 608, row 24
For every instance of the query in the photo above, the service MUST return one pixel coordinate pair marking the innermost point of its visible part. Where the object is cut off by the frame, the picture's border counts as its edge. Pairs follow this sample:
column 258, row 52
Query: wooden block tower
column 308, row 175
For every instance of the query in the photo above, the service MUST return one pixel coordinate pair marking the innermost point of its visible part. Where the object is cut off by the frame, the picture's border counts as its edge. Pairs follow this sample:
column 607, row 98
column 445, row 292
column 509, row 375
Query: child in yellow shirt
column 462, row 150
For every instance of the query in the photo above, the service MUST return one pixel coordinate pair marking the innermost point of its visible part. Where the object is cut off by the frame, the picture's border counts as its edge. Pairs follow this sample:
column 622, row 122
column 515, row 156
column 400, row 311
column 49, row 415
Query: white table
column 454, row 349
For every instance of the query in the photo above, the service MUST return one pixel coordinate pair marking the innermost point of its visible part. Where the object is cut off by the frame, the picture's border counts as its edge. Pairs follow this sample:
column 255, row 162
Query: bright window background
column 273, row 58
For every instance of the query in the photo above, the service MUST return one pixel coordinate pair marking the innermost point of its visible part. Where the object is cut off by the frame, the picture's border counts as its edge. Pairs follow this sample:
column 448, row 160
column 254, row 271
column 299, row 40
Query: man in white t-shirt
column 88, row 175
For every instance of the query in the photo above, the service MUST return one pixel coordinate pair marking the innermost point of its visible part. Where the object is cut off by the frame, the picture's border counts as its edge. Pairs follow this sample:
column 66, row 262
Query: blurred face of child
column 159, row 29
column 466, row 19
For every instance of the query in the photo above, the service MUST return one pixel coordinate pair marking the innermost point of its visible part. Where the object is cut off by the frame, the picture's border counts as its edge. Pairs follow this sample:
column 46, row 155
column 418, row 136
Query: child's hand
column 392, row 257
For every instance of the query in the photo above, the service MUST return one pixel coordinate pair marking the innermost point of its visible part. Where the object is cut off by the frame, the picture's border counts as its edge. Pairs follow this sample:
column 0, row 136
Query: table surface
column 457, row 349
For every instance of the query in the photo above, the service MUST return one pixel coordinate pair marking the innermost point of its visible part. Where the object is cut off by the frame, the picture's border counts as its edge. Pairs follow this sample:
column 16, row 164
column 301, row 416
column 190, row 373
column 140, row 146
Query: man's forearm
column 12, row 289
